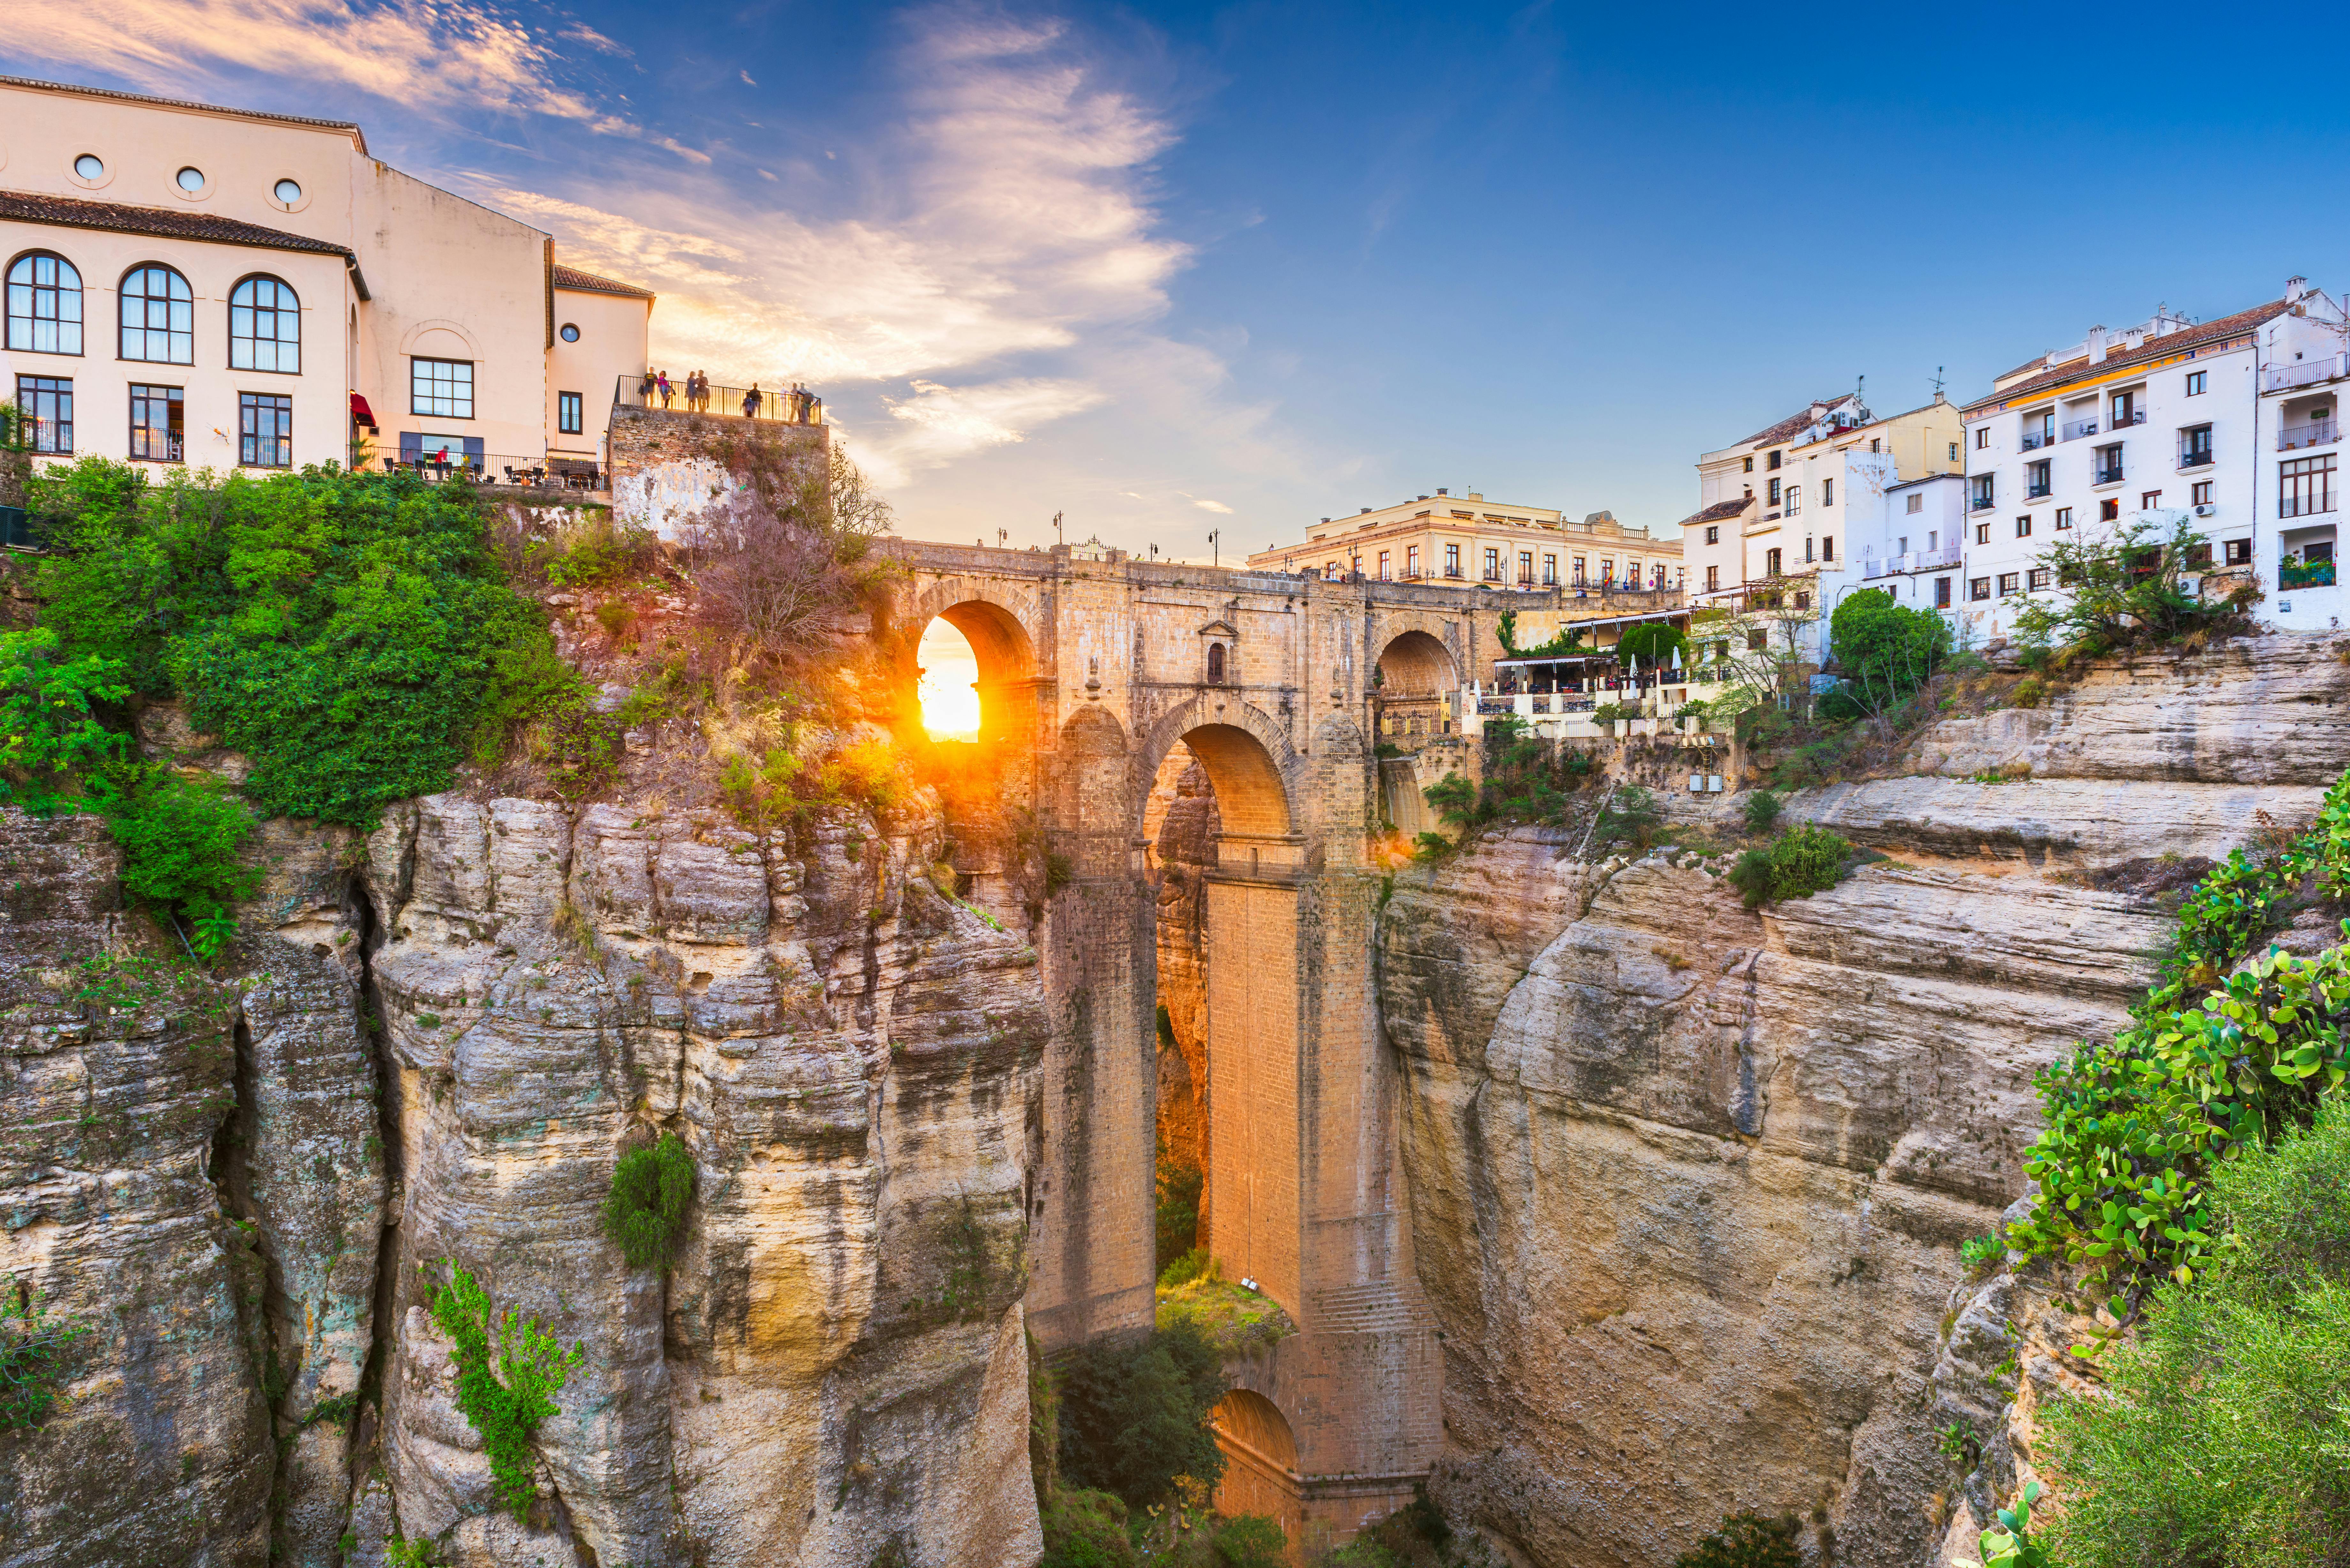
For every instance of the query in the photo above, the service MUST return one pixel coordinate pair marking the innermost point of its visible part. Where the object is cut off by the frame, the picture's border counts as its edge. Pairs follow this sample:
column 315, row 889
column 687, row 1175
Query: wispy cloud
column 940, row 423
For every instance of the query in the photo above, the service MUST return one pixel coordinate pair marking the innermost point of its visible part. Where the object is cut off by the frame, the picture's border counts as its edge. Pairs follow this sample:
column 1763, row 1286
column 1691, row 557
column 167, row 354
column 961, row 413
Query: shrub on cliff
column 1134, row 1415
column 35, row 1350
column 2124, row 588
column 1745, row 1540
column 2225, row 1434
column 644, row 1214
column 507, row 1376
column 1802, row 861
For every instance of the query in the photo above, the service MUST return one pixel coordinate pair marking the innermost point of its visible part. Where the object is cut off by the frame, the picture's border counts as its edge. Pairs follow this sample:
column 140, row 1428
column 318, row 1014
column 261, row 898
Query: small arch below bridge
column 1261, row 1473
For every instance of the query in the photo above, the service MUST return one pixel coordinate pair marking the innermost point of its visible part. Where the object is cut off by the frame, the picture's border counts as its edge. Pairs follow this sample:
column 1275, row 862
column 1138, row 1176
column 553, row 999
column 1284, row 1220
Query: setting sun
column 950, row 700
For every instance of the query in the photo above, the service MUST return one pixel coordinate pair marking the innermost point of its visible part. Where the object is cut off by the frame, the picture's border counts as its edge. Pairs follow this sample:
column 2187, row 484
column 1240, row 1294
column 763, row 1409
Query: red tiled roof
column 2162, row 348
column 1719, row 512
column 1792, row 423
column 343, row 125
column 590, row 283
column 69, row 211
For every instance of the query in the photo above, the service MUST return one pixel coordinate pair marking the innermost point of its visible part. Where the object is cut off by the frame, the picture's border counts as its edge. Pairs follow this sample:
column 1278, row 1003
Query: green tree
column 2123, row 587
column 1802, row 861
column 1653, row 643
column 1134, row 1415
column 1884, row 650
column 645, row 1212
column 34, row 1355
column 506, row 1385
column 1745, row 1540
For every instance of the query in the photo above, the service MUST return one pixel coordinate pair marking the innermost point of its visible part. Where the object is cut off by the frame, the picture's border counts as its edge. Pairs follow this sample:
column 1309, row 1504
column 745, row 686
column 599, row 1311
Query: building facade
column 2231, row 423
column 1468, row 541
column 221, row 288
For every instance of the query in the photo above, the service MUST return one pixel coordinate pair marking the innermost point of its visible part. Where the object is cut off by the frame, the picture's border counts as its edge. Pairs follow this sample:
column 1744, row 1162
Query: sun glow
column 949, row 697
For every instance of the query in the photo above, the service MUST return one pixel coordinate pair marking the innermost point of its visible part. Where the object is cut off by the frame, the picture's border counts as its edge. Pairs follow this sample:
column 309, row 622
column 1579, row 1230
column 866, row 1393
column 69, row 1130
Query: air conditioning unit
column 2206, row 510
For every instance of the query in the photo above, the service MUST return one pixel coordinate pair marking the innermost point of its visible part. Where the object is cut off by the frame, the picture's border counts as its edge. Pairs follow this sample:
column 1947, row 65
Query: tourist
column 750, row 402
column 697, row 393
column 666, row 390
column 645, row 389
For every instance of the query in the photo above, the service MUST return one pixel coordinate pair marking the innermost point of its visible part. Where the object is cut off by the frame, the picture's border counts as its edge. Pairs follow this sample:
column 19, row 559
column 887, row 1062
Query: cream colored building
column 221, row 288
column 1466, row 540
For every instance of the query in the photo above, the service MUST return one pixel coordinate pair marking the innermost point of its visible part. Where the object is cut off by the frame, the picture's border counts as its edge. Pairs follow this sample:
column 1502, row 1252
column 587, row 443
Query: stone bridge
column 1093, row 669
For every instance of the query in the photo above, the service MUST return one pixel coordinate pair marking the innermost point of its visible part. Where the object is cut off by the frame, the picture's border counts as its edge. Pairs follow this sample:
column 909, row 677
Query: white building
column 2165, row 416
column 2293, row 553
column 218, row 287
column 1903, row 537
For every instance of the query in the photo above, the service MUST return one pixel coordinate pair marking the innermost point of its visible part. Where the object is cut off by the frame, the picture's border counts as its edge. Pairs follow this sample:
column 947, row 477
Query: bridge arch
column 1416, row 663
column 1002, row 631
column 1257, row 776
column 1260, row 1467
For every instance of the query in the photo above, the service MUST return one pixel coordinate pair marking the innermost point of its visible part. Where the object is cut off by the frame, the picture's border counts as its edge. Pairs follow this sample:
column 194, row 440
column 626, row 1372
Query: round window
column 288, row 192
column 90, row 166
column 192, row 179
column 570, row 333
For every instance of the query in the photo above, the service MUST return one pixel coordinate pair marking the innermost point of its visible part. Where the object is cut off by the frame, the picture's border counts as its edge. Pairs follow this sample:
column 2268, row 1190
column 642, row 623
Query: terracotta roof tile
column 591, row 282
column 69, row 211
column 1773, row 434
column 1720, row 511
column 2160, row 348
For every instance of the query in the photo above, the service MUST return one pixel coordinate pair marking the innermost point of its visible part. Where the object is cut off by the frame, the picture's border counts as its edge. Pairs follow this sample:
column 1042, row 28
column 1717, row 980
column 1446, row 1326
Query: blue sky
column 1170, row 269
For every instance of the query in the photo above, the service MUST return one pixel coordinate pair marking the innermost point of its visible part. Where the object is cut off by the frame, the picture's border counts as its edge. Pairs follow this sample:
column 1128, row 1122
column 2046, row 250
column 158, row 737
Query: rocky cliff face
column 432, row 1048
column 1688, row 1180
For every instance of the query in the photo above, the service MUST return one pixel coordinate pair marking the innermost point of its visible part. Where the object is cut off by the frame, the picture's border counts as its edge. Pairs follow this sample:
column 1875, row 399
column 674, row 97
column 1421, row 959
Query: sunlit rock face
column 1686, row 1180
column 431, row 1048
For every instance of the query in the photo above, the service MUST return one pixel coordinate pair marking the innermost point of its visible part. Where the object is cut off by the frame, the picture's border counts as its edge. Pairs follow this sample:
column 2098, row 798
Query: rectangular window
column 2305, row 487
column 1713, row 535
column 2195, row 382
column 1827, row 547
column 158, row 428
column 1492, row 565
column 2195, row 446
column 1525, row 566
column 1770, row 563
column 1550, row 568
column 1750, row 465
column 1411, row 560
column 1954, row 452
column 1774, row 492
column 1984, row 490
column 1794, row 499
column 2110, row 509
column 2125, row 409
column 2198, row 557
column 2064, row 517
column 1982, row 533
column 1452, row 560
column 1774, row 461
column 1982, row 439
column 1827, row 492
column 570, row 414
column 1385, row 575
column 1917, row 503
column 2007, row 581
column 265, row 423
column 1330, row 572
column 1606, row 569
column 2106, row 466
column 2023, row 526
column 2036, row 579
column 1575, row 567
column 2239, row 552
column 1631, row 574
column 2149, row 501
column 2035, row 479
column 2202, row 493
column 46, row 404
column 1713, row 579
column 441, row 386
column 1978, row 588
column 1941, row 593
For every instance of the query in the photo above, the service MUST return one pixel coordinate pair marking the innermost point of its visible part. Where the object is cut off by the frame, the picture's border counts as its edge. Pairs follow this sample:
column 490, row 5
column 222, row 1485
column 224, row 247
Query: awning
column 361, row 412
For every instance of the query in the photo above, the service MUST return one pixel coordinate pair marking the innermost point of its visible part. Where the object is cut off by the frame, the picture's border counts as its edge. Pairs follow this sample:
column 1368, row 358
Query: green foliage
column 1745, row 1540
column 410, row 1551
column 181, row 842
column 779, row 790
column 644, row 1214
column 1565, row 640
column 1631, row 817
column 1802, row 861
column 1251, row 1541
column 594, row 552
column 1614, row 713
column 1134, row 1415
column 2009, row 1544
column 2123, row 587
column 2134, row 1127
column 1763, row 809
column 50, row 740
column 506, row 1389
column 1431, row 847
column 2223, row 1438
column 1454, row 798
column 1086, row 1528
column 35, row 1356
column 350, row 634
column 1195, row 1265
column 1885, row 651
column 1653, row 643
column 1180, row 1185
column 1977, row 1254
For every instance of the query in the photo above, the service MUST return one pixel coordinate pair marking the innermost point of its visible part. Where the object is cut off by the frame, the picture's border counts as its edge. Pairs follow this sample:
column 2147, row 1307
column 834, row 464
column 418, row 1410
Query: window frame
column 253, row 280
column 2064, row 517
column 1977, row 590
column 2292, row 470
column 2023, row 526
column 2008, row 583
column 143, row 394
column 173, row 307
column 59, row 388
column 1452, row 560
column 415, row 363
column 2197, row 383
column 248, row 405
column 570, row 413
column 34, row 288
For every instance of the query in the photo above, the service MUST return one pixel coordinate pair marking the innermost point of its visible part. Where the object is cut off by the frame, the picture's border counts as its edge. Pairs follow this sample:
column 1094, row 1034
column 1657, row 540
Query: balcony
column 2194, row 457
column 444, row 466
column 2080, row 428
column 2035, row 440
column 2105, row 475
column 766, row 405
column 2317, row 433
column 2305, row 573
column 2135, row 417
column 2038, row 492
column 1913, row 561
column 1981, row 504
column 2303, row 373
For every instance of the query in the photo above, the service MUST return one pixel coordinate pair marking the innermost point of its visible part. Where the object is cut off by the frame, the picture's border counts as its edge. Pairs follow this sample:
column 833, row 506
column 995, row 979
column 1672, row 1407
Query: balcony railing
column 768, row 405
column 2080, row 428
column 2035, row 440
column 2303, row 373
column 2105, row 476
column 2305, row 505
column 440, row 466
column 1981, row 503
column 1912, row 561
column 2135, row 417
column 2305, row 575
column 2317, row 433
column 2036, row 492
column 2194, row 457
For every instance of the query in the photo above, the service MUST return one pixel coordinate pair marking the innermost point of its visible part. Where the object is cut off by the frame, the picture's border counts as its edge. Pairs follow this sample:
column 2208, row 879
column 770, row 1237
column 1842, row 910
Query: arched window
column 264, row 326
column 1215, row 664
column 159, row 317
column 43, row 305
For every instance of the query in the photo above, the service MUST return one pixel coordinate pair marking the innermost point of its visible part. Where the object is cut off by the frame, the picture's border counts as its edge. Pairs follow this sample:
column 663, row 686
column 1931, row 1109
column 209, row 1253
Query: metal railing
column 1981, row 504
column 2317, row 433
column 2035, row 440
column 2305, row 573
column 768, row 405
column 2284, row 378
column 2105, row 476
column 2036, row 492
column 2080, row 428
column 2135, row 417
column 2194, row 457
column 441, row 465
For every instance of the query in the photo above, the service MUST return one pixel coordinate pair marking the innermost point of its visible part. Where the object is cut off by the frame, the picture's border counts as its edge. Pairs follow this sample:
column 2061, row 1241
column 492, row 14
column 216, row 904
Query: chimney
column 2096, row 344
column 1419, row 498
column 2295, row 290
column 1366, row 512
column 1441, row 490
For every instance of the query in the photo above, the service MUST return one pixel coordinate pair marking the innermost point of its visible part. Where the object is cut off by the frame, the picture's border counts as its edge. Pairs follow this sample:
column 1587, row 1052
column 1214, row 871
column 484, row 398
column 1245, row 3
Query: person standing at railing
column 645, row 389
column 751, row 401
column 667, row 391
column 697, row 393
